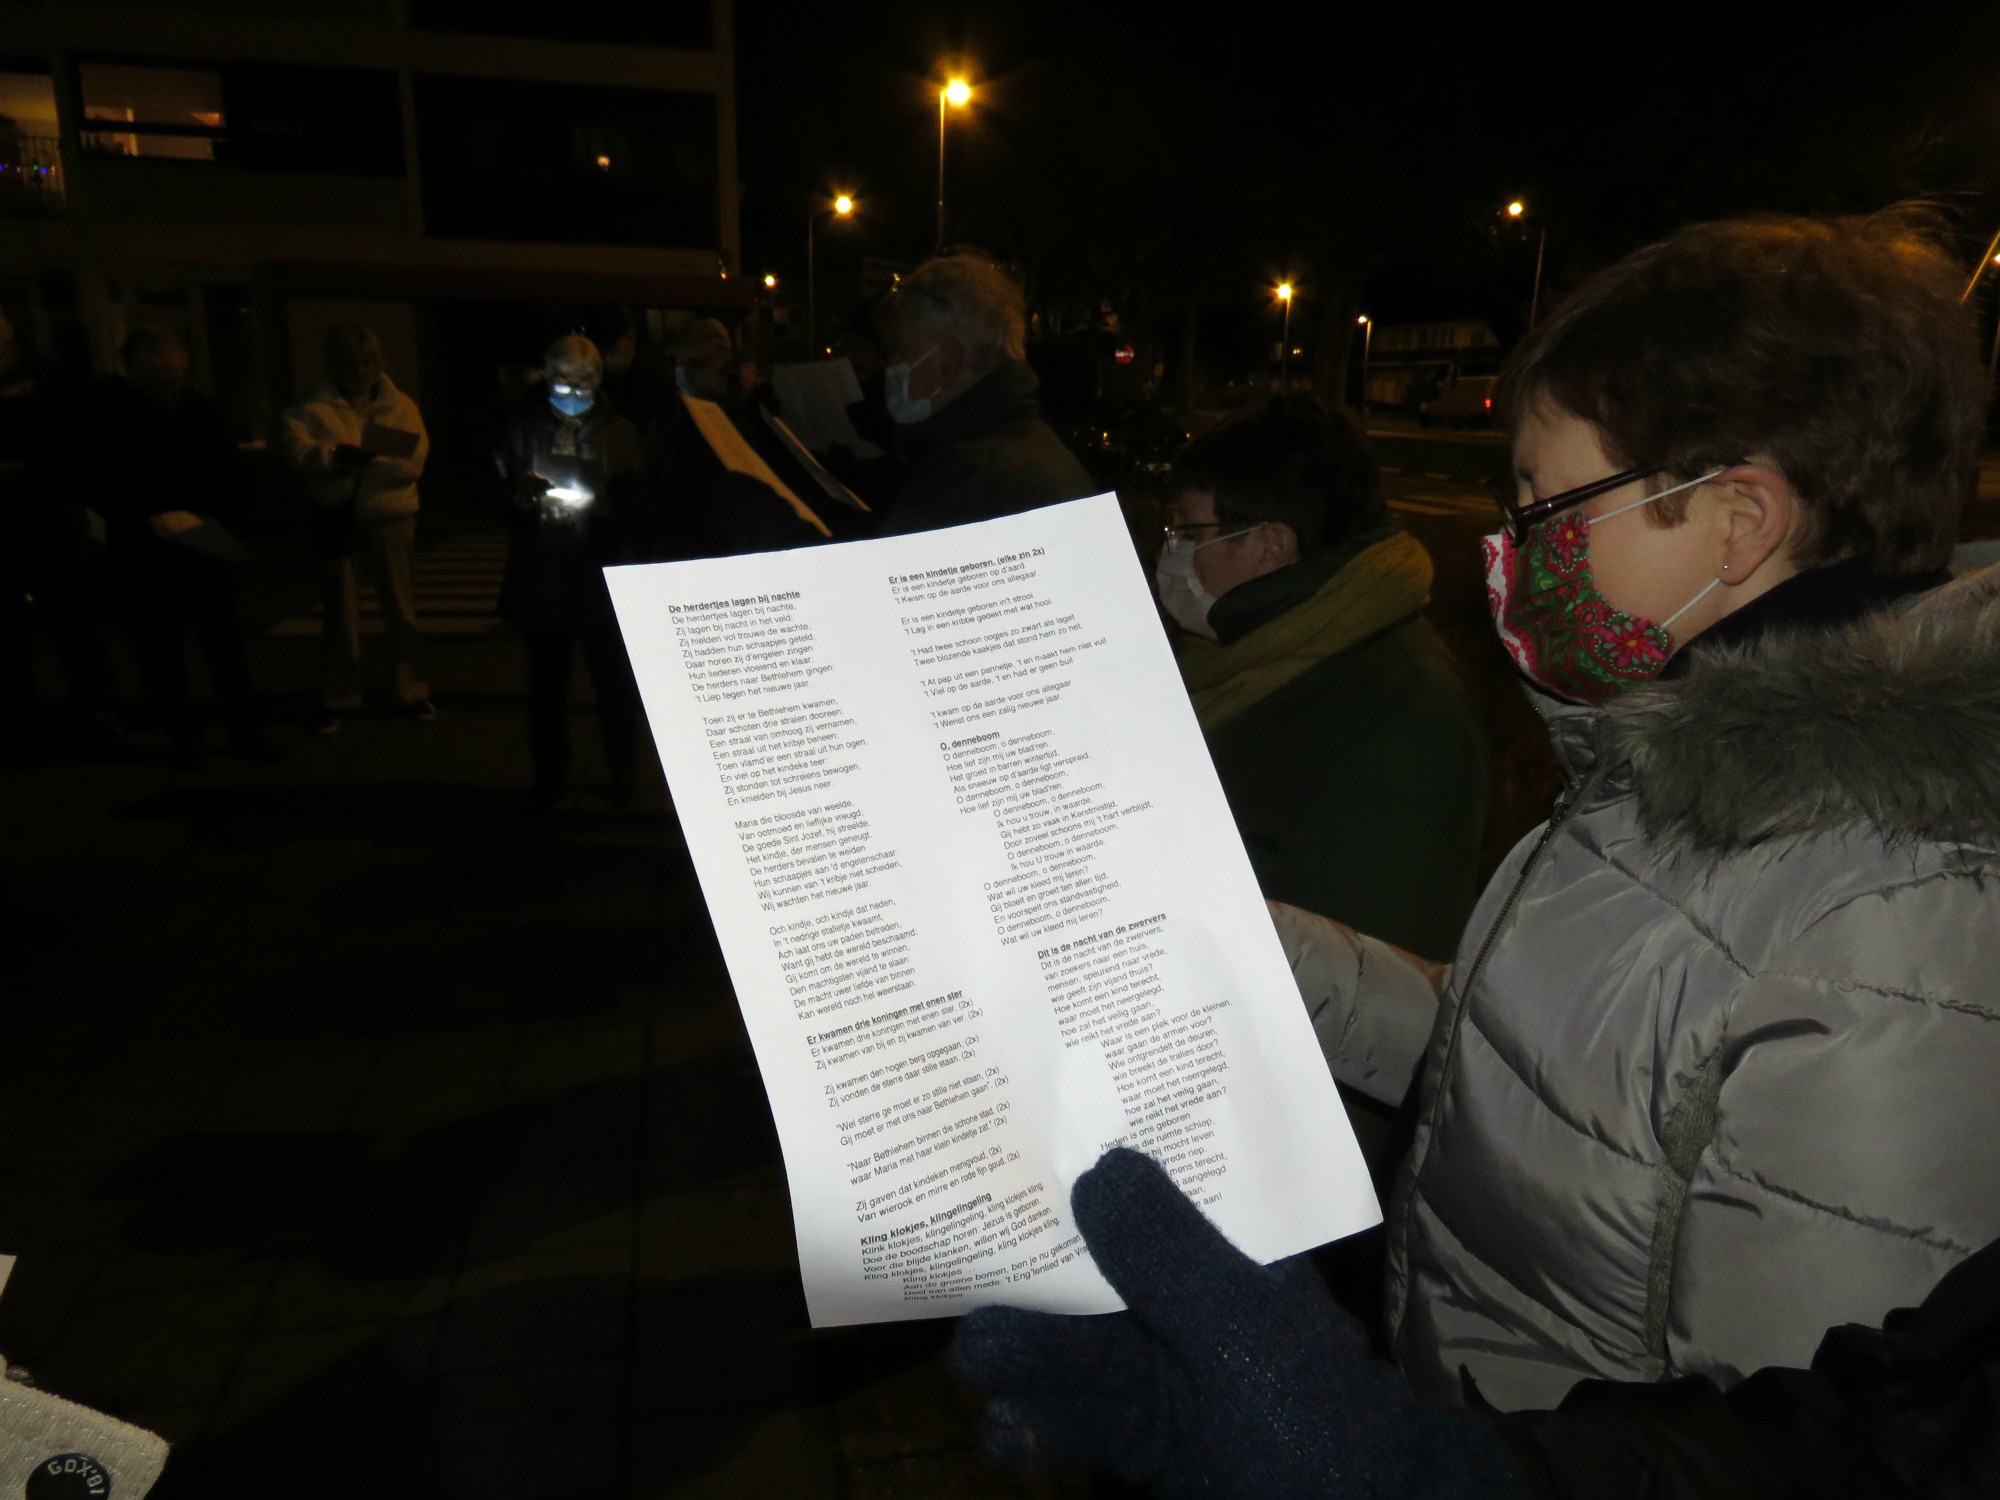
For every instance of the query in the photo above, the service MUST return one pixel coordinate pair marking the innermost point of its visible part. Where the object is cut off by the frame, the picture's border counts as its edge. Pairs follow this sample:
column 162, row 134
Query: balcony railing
column 31, row 176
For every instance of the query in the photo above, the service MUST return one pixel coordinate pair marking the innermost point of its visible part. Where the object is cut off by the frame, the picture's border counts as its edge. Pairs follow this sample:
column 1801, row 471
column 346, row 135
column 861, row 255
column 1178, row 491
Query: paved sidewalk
column 367, row 1136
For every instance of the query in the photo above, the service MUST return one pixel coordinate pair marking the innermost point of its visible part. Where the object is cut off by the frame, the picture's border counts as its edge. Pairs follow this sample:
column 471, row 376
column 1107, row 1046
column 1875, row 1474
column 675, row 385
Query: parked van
column 1465, row 402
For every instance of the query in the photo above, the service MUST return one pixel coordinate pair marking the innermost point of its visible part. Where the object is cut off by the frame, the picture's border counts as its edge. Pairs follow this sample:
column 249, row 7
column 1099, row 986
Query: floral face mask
column 1557, row 625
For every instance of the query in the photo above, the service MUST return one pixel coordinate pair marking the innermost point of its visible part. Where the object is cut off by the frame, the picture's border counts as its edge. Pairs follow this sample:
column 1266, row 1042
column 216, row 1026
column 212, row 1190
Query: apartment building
column 458, row 174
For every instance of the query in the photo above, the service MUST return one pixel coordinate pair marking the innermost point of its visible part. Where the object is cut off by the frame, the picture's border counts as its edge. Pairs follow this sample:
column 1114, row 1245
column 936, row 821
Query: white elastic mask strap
column 1648, row 500
column 1231, row 535
column 1713, row 585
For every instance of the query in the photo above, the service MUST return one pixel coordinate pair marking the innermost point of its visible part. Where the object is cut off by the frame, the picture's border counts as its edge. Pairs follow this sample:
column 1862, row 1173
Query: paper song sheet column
column 983, row 905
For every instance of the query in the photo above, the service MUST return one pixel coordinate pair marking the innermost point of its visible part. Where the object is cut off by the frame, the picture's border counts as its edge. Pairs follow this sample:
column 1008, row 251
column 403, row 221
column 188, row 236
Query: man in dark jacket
column 966, row 405
column 563, row 476
column 164, row 479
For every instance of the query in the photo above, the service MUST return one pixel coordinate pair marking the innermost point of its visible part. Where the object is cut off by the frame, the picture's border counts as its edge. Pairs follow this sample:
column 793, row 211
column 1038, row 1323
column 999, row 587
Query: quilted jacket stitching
column 1926, row 1237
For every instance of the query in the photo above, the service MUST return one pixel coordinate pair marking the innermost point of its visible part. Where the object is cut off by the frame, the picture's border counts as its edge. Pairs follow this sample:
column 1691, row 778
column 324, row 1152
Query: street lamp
column 958, row 94
column 1517, row 210
column 1367, row 339
column 841, row 207
column 1285, row 339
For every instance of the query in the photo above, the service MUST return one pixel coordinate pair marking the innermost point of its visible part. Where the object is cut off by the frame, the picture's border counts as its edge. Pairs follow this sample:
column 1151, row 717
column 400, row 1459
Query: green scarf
column 1383, row 585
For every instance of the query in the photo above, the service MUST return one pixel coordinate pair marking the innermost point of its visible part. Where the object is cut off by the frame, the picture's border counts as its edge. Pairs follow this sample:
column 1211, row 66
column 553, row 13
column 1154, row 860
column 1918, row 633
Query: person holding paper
column 968, row 416
column 1714, row 1070
column 164, row 476
column 564, row 478
column 360, row 445
column 1227, row 1377
column 704, row 491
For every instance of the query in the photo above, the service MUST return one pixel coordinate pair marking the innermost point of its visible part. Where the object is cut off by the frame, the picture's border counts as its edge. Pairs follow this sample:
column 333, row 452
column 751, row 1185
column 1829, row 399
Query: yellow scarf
column 1384, row 585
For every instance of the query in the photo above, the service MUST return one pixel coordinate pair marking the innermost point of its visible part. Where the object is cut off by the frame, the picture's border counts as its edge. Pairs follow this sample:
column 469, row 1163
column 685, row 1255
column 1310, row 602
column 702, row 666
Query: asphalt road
column 1470, row 458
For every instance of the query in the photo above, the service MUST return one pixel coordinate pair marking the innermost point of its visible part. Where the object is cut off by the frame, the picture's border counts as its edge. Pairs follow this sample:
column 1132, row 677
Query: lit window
column 31, row 180
column 165, row 112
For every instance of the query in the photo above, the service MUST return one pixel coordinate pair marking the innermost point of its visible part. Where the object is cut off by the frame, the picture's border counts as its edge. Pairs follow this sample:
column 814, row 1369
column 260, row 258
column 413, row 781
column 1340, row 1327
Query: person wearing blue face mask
column 564, row 479
column 966, row 406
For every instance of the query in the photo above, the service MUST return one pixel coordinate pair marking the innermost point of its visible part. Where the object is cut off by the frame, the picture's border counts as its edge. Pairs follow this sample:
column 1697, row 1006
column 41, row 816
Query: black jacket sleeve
column 1907, row 1411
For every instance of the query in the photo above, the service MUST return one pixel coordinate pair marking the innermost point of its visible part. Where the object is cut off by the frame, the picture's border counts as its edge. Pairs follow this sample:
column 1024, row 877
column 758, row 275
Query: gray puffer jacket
column 1719, row 1066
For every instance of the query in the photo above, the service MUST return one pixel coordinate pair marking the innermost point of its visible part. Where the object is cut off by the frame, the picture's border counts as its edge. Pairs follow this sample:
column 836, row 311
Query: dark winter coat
column 554, row 578
column 986, row 453
column 152, row 460
column 1359, row 786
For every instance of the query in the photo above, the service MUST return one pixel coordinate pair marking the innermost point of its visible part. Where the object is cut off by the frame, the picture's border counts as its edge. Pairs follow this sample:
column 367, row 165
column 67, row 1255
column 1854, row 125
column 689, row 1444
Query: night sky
column 1154, row 155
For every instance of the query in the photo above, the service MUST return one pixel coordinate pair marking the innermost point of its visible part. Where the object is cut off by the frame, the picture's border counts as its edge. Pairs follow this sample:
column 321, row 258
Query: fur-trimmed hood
column 1891, row 721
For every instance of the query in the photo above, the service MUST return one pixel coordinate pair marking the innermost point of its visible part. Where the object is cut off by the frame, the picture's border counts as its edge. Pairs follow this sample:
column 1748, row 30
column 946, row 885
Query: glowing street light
column 770, row 282
column 1367, row 341
column 1518, row 211
column 958, row 94
column 1285, row 338
column 841, row 207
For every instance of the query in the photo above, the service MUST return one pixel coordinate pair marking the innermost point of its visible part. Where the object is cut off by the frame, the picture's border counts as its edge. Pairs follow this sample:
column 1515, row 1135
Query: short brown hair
column 1836, row 347
column 1288, row 459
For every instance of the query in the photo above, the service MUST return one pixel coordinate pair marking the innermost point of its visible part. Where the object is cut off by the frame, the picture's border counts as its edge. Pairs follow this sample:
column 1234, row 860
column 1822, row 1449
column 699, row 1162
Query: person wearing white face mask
column 968, row 416
column 1343, row 736
column 1344, row 739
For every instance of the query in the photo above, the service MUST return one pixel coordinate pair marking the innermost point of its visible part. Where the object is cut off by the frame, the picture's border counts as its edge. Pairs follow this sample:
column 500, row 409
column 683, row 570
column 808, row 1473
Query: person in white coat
column 360, row 445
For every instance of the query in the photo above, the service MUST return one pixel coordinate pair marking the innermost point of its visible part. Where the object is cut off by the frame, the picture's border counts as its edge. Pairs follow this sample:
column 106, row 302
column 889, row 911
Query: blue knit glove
column 1224, row 1377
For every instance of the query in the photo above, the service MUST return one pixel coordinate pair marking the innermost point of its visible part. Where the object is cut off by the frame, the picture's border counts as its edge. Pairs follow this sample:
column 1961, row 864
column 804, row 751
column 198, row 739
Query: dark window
column 263, row 115
column 578, row 165
column 660, row 23
column 313, row 119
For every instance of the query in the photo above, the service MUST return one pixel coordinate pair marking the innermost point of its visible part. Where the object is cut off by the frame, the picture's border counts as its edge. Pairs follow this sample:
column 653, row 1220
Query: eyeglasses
column 1520, row 518
column 1185, row 531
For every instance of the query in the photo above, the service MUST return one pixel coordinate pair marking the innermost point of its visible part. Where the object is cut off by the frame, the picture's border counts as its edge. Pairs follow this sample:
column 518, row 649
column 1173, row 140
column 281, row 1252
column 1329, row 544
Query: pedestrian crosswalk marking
column 457, row 585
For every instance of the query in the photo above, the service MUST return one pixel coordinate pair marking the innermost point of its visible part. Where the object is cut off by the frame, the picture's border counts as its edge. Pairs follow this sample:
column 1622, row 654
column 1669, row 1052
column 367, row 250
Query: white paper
column 815, row 397
column 832, row 487
column 737, row 456
column 983, row 905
